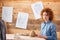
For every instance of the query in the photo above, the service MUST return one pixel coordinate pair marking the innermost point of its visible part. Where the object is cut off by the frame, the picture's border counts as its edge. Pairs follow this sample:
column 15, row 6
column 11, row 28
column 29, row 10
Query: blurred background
column 25, row 6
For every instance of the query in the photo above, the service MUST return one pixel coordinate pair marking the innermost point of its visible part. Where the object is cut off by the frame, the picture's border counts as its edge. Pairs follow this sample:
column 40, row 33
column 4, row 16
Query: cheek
column 44, row 16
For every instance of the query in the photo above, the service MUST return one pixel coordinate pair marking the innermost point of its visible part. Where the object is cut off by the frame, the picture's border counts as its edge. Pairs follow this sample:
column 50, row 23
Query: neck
column 46, row 21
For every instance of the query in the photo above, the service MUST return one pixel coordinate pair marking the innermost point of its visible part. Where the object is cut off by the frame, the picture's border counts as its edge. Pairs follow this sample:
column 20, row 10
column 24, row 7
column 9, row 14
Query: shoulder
column 53, row 25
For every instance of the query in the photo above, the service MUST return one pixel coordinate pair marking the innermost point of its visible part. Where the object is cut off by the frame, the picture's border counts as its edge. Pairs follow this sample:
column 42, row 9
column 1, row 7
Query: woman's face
column 45, row 16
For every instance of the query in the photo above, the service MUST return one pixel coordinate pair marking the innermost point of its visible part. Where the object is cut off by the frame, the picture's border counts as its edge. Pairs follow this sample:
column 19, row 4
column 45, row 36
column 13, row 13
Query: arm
column 53, row 34
column 40, row 36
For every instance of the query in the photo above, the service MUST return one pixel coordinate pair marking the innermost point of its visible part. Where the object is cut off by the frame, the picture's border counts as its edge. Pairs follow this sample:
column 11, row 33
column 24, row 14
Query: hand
column 40, row 36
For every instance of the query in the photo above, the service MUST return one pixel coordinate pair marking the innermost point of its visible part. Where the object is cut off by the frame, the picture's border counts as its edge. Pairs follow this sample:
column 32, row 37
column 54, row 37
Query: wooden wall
column 25, row 6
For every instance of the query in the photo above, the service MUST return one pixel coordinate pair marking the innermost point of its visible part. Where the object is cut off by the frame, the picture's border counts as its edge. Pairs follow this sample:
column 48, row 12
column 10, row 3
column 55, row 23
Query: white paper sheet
column 37, row 7
column 22, row 20
column 7, row 14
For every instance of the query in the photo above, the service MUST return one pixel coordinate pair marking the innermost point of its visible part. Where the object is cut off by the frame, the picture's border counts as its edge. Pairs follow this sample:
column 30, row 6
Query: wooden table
column 15, row 37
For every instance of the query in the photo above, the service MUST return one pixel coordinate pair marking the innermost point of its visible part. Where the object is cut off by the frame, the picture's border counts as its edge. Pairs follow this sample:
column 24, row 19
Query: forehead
column 44, row 13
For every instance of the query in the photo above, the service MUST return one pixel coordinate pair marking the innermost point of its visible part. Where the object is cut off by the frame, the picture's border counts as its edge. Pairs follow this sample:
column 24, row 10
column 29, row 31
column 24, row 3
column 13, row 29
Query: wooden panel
column 35, row 0
column 0, row 9
column 53, row 5
column 0, row 4
column 16, row 3
column 51, row 0
column 25, row 6
column 0, row 16
column 58, row 35
column 21, row 31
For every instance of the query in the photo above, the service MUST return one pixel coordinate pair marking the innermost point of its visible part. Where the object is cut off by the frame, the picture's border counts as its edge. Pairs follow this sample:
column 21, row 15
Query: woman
column 48, row 29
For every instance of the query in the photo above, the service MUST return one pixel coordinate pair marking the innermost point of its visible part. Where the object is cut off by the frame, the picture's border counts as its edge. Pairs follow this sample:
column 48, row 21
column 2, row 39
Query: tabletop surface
column 20, row 37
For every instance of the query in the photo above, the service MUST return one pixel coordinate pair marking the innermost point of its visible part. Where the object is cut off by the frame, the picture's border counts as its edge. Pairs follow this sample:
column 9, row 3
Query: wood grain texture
column 25, row 6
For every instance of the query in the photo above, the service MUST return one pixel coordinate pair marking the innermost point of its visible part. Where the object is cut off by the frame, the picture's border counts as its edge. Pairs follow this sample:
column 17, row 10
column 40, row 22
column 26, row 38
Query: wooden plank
column 0, row 10
column 0, row 14
column 55, row 5
column 0, row 4
column 17, row 4
column 58, row 35
column 35, row 0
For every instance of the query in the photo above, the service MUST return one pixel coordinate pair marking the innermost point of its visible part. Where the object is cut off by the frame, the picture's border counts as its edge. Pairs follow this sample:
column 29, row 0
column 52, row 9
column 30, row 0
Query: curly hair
column 49, row 13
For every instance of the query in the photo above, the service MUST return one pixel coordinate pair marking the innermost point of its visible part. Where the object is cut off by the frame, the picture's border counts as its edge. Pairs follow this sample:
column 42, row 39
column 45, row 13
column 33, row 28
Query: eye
column 46, row 15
